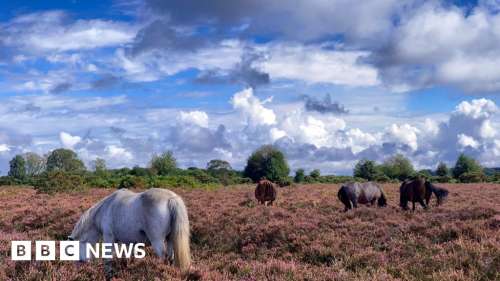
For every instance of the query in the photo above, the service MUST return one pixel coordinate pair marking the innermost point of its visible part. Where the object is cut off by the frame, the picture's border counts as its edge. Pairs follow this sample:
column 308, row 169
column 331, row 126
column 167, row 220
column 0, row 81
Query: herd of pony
column 351, row 194
column 158, row 216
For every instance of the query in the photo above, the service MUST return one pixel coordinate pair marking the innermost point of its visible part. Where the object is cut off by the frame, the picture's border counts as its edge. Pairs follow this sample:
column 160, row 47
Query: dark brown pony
column 265, row 192
column 413, row 191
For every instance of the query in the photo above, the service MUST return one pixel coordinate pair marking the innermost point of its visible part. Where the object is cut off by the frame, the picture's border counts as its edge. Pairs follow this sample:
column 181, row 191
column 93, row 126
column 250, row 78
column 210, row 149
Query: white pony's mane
column 87, row 218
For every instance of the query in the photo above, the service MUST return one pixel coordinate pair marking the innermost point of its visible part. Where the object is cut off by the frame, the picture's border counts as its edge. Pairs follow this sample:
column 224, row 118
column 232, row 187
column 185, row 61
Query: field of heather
column 305, row 236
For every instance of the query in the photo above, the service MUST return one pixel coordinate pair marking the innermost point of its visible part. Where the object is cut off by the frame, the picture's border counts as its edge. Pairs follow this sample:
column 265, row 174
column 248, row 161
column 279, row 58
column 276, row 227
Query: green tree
column 299, row 176
column 17, row 167
column 315, row 174
column 398, row 167
column 164, row 164
column 216, row 164
column 99, row 165
column 65, row 160
column 442, row 170
column 35, row 164
column 366, row 169
column 269, row 162
column 464, row 165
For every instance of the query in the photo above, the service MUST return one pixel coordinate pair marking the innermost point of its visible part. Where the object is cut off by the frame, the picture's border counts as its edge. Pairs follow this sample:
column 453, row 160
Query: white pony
column 150, row 217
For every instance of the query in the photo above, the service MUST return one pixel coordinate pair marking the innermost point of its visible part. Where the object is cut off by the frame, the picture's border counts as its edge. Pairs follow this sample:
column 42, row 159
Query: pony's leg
column 159, row 247
column 108, row 263
column 422, row 203
column 170, row 250
column 355, row 203
column 413, row 202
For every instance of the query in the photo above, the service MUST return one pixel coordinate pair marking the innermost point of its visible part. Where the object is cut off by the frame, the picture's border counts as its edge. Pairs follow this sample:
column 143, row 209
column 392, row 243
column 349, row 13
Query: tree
column 269, row 162
column 99, row 165
column 35, row 164
column 17, row 167
column 216, row 164
column 464, row 165
column 164, row 164
column 398, row 167
column 442, row 170
column 315, row 174
column 300, row 175
column 65, row 160
column 366, row 169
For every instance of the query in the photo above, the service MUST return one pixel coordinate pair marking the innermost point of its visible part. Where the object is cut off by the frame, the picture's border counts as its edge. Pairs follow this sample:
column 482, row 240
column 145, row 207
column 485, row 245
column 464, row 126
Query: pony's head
column 382, row 201
column 441, row 195
column 85, row 232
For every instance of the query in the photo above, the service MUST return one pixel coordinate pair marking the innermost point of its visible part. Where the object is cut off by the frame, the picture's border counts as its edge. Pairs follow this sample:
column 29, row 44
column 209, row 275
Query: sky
column 327, row 82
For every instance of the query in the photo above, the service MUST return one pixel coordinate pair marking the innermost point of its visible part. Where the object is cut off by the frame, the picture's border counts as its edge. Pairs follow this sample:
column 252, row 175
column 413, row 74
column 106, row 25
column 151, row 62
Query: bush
column 464, row 165
column 268, row 162
column 366, row 169
column 59, row 181
column 398, row 167
column 472, row 177
column 442, row 179
column 132, row 182
column 7, row 180
column 164, row 164
column 299, row 176
column 382, row 179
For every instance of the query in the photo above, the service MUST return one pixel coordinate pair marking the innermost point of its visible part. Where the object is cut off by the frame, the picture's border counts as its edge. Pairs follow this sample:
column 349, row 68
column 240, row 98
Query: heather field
column 305, row 236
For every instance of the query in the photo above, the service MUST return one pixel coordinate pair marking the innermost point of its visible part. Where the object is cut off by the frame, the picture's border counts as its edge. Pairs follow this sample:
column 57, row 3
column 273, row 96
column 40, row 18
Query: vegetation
column 367, row 169
column 64, row 160
column 40, row 172
column 304, row 236
column 164, row 164
column 268, row 162
column 17, row 168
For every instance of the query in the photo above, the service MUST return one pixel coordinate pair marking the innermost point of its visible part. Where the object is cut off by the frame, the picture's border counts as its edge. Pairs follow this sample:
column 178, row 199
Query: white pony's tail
column 180, row 234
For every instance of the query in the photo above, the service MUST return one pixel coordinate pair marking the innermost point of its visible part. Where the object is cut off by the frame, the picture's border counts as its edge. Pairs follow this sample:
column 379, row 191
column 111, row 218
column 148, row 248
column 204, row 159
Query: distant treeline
column 62, row 170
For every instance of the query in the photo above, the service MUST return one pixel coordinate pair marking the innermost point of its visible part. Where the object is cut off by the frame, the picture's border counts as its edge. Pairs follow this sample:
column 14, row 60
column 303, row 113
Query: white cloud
column 199, row 118
column 4, row 148
column 465, row 140
column 252, row 108
column 49, row 31
column 405, row 134
column 479, row 108
column 69, row 141
column 315, row 64
column 117, row 152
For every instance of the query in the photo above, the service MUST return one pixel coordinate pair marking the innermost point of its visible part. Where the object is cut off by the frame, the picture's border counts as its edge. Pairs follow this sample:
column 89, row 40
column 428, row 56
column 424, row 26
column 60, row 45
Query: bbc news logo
column 71, row 250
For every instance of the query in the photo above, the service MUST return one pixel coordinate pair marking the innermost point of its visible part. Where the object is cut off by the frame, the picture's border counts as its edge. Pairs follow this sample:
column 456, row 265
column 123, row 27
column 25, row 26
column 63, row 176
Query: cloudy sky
column 327, row 81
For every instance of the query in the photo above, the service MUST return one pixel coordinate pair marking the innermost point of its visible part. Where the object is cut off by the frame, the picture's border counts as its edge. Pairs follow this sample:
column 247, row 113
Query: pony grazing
column 441, row 193
column 413, row 191
column 265, row 192
column 363, row 193
column 149, row 217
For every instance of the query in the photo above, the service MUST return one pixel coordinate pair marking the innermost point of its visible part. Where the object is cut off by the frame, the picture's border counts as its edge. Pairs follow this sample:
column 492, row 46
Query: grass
column 305, row 236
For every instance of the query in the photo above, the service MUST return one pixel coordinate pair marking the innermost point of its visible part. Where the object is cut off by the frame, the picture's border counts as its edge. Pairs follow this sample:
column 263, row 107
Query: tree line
column 61, row 169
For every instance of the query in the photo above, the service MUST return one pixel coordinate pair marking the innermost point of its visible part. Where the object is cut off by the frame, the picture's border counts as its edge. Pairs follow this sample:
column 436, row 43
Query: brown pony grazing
column 414, row 191
column 265, row 192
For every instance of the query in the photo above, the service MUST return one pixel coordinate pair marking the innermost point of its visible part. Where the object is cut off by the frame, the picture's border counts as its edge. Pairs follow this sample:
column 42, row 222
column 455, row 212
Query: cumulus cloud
column 440, row 44
column 252, row 108
column 196, row 117
column 68, row 141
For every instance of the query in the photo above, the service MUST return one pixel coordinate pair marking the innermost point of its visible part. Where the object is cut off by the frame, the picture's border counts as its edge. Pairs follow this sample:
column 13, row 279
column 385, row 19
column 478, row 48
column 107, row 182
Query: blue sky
column 329, row 82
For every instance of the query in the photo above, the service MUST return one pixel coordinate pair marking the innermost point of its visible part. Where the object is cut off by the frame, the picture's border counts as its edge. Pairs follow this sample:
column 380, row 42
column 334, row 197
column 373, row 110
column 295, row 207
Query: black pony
column 417, row 190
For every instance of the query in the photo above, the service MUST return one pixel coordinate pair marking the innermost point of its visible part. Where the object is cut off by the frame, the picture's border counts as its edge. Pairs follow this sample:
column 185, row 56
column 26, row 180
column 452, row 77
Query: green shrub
column 442, row 179
column 7, row 180
column 59, row 181
column 472, row 177
column 130, row 181
column 268, row 162
column 382, row 179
